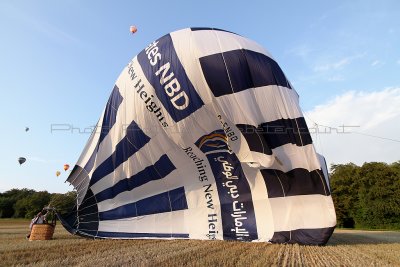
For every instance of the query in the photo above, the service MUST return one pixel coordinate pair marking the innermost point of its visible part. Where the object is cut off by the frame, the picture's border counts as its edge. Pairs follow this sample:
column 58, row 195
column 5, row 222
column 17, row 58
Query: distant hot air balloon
column 21, row 160
column 133, row 29
column 58, row 173
column 66, row 167
column 26, row 129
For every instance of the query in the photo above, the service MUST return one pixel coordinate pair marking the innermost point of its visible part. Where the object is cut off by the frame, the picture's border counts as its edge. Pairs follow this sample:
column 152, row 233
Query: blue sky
column 60, row 59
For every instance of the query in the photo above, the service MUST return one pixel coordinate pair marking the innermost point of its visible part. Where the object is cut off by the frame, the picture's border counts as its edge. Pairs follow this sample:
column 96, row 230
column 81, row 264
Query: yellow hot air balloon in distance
column 58, row 173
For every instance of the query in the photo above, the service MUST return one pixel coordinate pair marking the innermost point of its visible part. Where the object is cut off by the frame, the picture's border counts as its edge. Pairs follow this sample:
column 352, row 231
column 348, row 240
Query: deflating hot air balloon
column 58, row 173
column 21, row 160
column 202, row 138
column 66, row 167
column 133, row 29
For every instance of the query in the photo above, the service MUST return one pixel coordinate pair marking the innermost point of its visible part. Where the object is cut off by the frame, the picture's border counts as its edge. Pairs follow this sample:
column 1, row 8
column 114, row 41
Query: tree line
column 26, row 203
column 366, row 196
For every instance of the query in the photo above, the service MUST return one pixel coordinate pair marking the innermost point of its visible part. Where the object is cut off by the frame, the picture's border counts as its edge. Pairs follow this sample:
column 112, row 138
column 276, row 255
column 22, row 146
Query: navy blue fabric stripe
column 86, row 233
column 277, row 133
column 159, row 170
column 238, row 70
column 177, row 199
column 139, row 235
column 87, row 212
column 134, row 140
column 90, row 163
column 110, row 113
column 165, row 73
column 234, row 196
column 165, row 202
column 237, row 209
column 327, row 180
column 254, row 139
column 285, row 131
column 151, row 205
column 209, row 29
column 109, row 118
column 318, row 236
column 295, row 182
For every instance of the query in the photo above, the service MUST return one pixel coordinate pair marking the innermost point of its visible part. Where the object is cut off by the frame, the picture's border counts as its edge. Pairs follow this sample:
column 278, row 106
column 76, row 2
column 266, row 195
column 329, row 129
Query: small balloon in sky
column 66, row 167
column 58, row 173
column 133, row 29
column 26, row 129
column 21, row 160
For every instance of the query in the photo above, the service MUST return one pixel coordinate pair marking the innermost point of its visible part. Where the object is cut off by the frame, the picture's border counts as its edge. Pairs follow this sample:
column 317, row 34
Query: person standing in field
column 40, row 218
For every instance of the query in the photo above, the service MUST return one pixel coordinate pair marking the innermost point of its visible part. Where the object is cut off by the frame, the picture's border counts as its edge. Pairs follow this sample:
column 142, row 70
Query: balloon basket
column 42, row 232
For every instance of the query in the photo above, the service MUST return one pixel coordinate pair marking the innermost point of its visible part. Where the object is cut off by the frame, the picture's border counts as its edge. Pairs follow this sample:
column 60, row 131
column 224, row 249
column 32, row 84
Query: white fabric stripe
column 146, row 156
column 146, row 119
column 210, row 42
column 91, row 144
column 262, row 209
column 183, row 40
column 262, row 104
column 293, row 157
column 302, row 212
column 201, row 195
column 202, row 122
column 284, row 158
column 188, row 56
column 167, row 222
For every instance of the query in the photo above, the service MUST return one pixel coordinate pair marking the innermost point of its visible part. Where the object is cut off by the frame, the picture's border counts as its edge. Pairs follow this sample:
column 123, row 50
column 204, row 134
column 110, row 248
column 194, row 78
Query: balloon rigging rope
column 360, row 133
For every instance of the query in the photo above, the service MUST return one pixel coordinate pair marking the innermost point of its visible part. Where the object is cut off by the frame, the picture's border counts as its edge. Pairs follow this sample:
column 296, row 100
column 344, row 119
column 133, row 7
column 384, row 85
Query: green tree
column 379, row 196
column 8, row 200
column 367, row 196
column 63, row 203
column 6, row 207
column 30, row 205
column 344, row 187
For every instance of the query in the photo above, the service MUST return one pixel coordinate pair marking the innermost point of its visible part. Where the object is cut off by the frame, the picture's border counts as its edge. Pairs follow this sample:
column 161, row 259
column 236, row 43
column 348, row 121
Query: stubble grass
column 345, row 248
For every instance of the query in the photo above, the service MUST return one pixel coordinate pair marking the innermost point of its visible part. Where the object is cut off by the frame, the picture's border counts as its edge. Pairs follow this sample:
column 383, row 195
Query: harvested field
column 346, row 248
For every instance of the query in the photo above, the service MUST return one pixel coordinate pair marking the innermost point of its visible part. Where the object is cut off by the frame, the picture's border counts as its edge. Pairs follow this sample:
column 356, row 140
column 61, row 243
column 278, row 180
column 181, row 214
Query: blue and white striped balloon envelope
column 202, row 138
